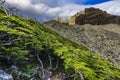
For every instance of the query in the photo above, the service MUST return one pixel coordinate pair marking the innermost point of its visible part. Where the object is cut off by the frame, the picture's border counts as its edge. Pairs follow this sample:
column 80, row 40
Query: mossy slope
column 35, row 37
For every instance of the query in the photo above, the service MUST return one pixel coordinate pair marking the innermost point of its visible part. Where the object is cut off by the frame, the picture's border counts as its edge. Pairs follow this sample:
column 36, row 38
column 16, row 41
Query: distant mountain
column 94, row 16
column 95, row 29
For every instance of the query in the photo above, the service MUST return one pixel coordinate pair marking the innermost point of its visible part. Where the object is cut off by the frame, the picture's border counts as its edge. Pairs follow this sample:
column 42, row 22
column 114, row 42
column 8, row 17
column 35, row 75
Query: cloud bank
column 44, row 10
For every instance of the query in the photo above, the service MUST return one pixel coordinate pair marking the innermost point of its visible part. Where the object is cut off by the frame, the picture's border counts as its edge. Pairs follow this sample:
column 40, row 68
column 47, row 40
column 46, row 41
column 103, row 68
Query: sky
column 45, row 10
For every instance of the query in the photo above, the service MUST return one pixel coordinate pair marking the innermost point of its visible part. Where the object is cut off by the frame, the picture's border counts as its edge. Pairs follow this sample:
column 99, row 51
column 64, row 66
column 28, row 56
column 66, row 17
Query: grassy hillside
column 22, row 39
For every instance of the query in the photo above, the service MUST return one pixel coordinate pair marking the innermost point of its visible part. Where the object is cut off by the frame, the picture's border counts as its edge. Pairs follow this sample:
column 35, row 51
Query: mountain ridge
column 94, row 16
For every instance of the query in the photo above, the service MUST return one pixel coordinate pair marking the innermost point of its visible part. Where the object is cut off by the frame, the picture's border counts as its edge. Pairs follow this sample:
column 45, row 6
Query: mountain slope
column 27, row 44
column 103, row 39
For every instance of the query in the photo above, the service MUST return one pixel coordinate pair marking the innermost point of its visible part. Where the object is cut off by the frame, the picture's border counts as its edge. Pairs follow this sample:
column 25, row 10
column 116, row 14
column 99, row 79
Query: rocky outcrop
column 95, row 16
column 72, row 18
column 4, row 75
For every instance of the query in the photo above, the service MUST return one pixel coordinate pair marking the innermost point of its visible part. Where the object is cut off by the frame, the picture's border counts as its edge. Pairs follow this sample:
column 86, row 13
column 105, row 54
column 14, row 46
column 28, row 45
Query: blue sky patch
column 91, row 2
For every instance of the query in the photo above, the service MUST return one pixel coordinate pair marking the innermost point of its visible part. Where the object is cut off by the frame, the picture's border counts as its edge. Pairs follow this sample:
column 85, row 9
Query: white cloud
column 112, row 7
column 47, row 9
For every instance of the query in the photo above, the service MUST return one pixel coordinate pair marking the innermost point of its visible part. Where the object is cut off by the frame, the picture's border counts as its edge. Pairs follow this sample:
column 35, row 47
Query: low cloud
column 44, row 10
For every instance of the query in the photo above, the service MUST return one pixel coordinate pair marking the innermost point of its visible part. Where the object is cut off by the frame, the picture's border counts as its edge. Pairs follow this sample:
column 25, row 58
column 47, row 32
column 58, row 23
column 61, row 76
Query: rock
column 72, row 18
column 4, row 75
column 94, row 16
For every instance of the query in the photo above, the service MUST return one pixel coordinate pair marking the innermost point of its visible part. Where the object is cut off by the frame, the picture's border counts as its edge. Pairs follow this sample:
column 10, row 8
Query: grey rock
column 4, row 75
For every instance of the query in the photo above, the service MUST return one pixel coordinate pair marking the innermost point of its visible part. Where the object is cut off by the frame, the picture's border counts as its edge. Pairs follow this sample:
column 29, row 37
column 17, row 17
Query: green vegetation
column 27, row 37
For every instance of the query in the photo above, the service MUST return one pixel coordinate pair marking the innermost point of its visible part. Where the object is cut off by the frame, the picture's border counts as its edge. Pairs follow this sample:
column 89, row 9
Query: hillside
column 30, row 50
column 102, row 38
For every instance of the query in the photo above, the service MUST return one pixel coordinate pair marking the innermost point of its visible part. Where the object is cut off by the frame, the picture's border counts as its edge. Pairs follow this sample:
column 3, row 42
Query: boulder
column 4, row 75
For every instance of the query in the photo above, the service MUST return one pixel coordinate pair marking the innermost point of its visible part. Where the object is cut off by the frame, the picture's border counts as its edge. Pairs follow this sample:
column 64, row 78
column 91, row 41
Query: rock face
column 5, row 76
column 100, row 39
column 95, row 16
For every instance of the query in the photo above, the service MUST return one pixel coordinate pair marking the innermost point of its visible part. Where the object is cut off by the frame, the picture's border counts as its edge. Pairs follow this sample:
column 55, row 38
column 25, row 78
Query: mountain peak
column 94, row 16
